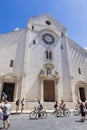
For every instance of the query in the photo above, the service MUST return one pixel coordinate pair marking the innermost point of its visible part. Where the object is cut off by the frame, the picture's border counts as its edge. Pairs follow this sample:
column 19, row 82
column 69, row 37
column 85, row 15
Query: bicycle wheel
column 43, row 114
column 66, row 112
column 59, row 113
column 76, row 111
column 33, row 115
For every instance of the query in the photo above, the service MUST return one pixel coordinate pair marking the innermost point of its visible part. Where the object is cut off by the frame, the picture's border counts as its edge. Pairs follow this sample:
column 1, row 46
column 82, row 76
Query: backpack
column 41, row 106
column 17, row 102
column 55, row 106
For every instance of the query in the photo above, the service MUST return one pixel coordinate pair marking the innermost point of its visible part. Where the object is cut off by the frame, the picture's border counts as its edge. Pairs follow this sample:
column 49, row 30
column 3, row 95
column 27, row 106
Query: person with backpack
column 56, row 105
column 40, row 106
column 17, row 105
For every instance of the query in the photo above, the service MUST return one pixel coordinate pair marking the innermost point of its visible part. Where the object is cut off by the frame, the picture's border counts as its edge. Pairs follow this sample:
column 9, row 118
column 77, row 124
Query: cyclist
column 78, row 104
column 40, row 107
column 62, row 105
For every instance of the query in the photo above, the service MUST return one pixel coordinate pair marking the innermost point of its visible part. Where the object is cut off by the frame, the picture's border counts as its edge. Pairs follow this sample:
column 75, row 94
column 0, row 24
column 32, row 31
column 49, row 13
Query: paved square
column 22, row 122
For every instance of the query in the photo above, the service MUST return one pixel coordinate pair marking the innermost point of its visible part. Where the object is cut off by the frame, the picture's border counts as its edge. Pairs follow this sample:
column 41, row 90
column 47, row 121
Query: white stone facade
column 41, row 62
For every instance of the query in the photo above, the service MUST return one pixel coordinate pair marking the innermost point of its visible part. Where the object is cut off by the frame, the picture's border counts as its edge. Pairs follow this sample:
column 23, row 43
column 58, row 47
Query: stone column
column 42, row 93
column 16, row 92
column 56, row 90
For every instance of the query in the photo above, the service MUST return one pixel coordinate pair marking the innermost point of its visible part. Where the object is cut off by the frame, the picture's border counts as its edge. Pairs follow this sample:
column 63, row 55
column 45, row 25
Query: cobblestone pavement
column 22, row 122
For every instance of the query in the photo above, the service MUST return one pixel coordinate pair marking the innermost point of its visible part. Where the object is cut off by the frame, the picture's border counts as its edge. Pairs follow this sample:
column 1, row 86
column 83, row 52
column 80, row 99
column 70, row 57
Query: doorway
column 8, row 88
column 49, row 91
column 82, row 94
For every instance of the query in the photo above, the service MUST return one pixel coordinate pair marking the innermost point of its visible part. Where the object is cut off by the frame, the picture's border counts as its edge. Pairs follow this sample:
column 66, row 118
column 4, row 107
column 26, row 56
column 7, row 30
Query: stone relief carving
column 42, row 72
column 56, row 73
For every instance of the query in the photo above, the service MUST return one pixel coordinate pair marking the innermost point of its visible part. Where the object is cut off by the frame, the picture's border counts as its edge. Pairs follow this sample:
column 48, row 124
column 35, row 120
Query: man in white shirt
column 6, row 113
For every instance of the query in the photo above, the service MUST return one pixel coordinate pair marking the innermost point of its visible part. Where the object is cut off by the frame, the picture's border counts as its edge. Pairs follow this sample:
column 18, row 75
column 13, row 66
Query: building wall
column 77, row 60
column 12, row 48
column 27, row 49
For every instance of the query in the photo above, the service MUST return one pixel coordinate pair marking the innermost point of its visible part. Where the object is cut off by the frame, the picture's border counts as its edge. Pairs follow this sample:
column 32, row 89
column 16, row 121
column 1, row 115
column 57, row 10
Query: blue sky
column 71, row 13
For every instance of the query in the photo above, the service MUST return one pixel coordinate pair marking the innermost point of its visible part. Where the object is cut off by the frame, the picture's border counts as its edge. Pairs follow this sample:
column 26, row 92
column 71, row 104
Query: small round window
column 48, row 22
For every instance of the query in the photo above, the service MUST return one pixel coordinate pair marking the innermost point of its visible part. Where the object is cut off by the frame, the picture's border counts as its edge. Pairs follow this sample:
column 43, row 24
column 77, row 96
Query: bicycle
column 57, row 111
column 61, row 112
column 77, row 111
column 38, row 114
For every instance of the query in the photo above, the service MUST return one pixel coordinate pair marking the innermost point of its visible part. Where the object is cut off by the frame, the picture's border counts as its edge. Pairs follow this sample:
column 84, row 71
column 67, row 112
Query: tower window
column 79, row 70
column 11, row 63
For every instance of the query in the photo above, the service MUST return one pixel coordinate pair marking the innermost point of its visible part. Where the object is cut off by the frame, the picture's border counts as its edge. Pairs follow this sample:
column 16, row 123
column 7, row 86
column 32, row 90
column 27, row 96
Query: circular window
column 48, row 22
column 48, row 38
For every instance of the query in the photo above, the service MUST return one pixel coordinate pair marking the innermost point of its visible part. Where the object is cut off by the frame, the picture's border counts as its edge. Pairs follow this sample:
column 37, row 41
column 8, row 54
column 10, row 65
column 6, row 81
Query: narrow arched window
column 62, row 47
column 47, row 55
column 11, row 63
column 50, row 55
column 79, row 70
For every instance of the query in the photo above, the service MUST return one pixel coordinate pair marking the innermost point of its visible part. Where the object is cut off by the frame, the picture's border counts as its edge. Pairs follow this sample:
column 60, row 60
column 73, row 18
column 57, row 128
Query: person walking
column 17, row 105
column 6, row 114
column 1, row 109
column 3, row 96
column 22, row 104
column 82, row 111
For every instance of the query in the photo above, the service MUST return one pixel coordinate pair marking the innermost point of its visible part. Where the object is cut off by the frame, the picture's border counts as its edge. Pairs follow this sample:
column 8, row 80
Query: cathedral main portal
column 49, row 91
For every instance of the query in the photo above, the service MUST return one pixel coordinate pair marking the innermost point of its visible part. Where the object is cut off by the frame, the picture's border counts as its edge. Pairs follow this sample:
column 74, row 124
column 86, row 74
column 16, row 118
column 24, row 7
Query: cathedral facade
column 42, row 62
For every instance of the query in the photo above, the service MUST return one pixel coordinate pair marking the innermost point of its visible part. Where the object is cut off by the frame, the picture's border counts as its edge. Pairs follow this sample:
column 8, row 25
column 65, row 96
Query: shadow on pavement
column 80, row 121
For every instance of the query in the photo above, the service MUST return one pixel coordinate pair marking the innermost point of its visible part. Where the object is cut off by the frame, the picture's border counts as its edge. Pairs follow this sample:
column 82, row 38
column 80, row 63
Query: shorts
column 5, row 117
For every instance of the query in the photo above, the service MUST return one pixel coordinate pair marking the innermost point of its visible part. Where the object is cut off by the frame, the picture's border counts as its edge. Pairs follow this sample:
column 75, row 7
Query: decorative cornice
column 81, row 83
column 49, row 65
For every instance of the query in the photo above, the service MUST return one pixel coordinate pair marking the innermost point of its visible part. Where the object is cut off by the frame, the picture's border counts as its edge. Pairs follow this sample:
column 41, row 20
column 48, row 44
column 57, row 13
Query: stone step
column 47, row 105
